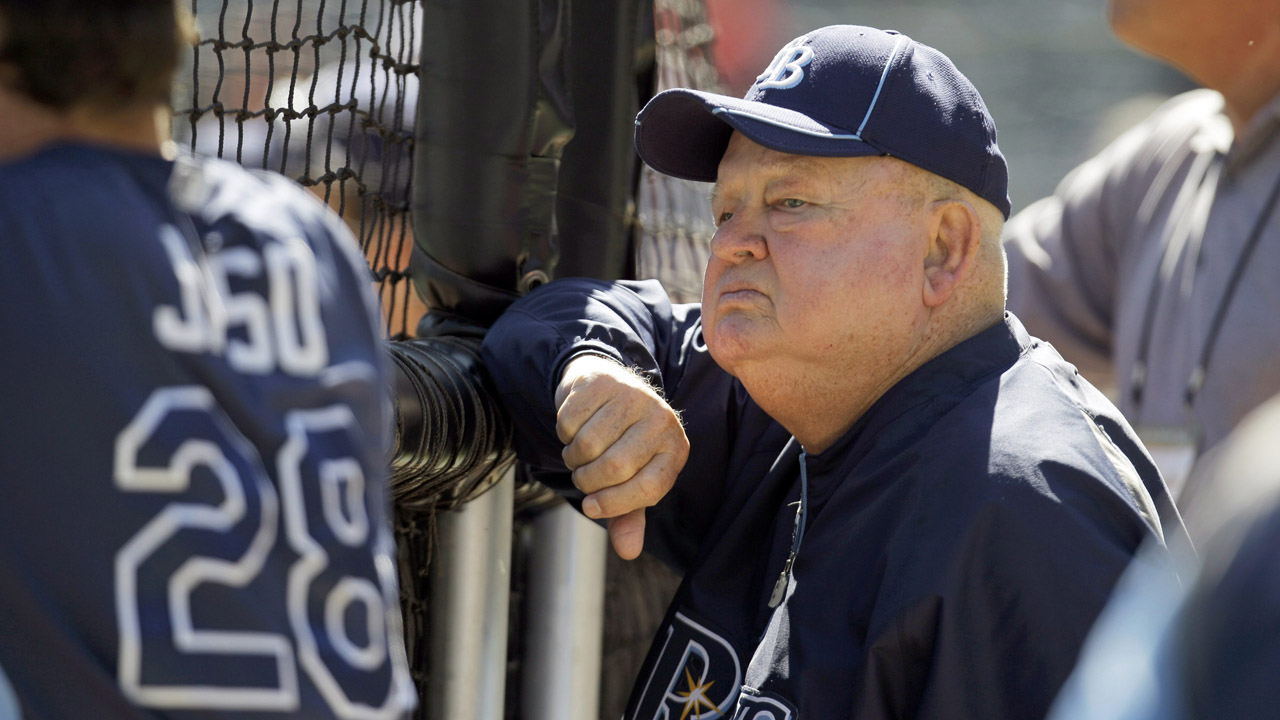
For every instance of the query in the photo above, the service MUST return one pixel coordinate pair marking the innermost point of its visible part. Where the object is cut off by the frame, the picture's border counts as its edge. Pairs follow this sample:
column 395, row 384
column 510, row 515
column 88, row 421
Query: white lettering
column 787, row 68
column 223, row 307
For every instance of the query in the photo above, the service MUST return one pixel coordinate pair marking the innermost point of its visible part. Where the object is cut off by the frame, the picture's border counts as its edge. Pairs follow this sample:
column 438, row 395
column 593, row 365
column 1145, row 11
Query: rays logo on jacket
column 753, row 705
column 696, row 675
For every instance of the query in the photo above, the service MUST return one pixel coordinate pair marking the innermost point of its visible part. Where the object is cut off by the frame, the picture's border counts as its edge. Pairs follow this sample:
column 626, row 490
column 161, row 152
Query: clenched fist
column 623, row 442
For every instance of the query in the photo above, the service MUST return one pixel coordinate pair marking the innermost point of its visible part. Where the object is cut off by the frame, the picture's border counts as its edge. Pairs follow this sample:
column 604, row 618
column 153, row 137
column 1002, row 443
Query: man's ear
column 954, row 236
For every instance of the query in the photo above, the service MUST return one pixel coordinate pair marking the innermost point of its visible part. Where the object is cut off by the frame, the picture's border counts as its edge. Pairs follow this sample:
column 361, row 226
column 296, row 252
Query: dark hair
column 114, row 52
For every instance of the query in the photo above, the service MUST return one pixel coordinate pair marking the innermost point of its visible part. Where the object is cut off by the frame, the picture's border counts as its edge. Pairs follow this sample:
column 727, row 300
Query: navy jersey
column 957, row 543
column 194, row 521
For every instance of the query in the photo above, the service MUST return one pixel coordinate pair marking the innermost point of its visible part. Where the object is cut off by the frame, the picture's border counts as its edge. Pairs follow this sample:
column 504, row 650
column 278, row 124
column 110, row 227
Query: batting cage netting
column 674, row 215
column 323, row 92
column 326, row 92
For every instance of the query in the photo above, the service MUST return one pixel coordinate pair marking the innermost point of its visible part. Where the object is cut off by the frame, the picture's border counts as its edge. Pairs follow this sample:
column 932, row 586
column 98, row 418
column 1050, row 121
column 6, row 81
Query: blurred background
column 1059, row 85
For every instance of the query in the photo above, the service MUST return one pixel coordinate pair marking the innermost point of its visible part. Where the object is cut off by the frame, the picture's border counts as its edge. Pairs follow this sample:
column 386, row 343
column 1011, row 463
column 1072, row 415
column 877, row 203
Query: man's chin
column 730, row 348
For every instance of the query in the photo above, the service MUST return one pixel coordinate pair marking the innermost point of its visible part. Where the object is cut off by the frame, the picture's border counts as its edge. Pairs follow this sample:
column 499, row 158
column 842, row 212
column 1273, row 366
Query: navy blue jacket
column 195, row 423
column 959, row 539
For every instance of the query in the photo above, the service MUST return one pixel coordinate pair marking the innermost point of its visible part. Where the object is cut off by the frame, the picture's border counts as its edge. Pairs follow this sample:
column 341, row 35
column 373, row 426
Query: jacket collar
column 930, row 390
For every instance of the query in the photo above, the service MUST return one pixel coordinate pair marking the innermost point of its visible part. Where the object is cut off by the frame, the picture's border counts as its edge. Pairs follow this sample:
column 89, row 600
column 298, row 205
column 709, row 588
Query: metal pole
column 470, row 592
column 566, row 617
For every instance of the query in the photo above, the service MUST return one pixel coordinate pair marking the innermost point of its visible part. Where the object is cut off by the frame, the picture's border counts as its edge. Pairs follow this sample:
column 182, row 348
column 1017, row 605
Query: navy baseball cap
column 839, row 91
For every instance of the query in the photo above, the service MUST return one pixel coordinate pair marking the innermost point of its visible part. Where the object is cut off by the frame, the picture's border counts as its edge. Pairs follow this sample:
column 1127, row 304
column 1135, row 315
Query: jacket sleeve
column 634, row 323
column 1065, row 251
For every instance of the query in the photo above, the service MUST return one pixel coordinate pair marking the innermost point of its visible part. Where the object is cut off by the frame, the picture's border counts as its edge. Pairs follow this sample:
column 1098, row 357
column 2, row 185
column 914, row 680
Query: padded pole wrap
column 493, row 119
column 503, row 200
column 451, row 435
column 610, row 63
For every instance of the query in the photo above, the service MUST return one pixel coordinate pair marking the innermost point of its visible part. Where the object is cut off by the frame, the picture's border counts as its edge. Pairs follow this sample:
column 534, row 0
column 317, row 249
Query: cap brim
column 684, row 133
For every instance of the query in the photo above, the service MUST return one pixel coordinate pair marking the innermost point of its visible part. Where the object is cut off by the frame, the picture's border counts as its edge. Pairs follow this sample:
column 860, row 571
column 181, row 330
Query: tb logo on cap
column 787, row 68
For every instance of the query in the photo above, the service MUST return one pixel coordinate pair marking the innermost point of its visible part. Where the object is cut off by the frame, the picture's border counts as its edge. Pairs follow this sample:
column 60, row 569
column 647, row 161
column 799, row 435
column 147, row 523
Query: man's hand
column 623, row 443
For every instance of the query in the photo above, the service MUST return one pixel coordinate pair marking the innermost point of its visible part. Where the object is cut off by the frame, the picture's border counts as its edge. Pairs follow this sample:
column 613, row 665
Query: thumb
column 626, row 532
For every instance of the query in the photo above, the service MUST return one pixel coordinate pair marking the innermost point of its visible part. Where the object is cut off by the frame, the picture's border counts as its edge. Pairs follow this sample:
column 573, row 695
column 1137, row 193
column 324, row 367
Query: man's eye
column 724, row 218
column 793, row 203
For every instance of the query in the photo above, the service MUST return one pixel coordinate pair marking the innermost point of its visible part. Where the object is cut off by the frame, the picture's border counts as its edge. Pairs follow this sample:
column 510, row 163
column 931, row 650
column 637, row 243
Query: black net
column 415, row 535
column 324, row 92
column 674, row 215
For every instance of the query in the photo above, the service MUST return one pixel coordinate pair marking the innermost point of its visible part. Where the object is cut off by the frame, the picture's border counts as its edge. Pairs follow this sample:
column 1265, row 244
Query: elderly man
column 887, row 499
column 1151, row 267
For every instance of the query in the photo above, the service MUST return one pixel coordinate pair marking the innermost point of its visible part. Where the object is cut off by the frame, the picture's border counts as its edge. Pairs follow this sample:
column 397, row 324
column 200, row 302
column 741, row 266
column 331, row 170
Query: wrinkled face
column 817, row 263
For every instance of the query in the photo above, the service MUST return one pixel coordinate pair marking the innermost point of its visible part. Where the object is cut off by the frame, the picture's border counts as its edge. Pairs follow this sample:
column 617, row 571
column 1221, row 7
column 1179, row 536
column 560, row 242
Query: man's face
column 817, row 264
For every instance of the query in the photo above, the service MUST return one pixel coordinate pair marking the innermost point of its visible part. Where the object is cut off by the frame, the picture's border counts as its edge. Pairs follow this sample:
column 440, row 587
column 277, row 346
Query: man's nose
column 739, row 238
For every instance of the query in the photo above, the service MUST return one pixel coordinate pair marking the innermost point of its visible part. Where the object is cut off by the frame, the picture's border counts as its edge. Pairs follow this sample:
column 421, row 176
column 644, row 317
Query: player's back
column 195, row 422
